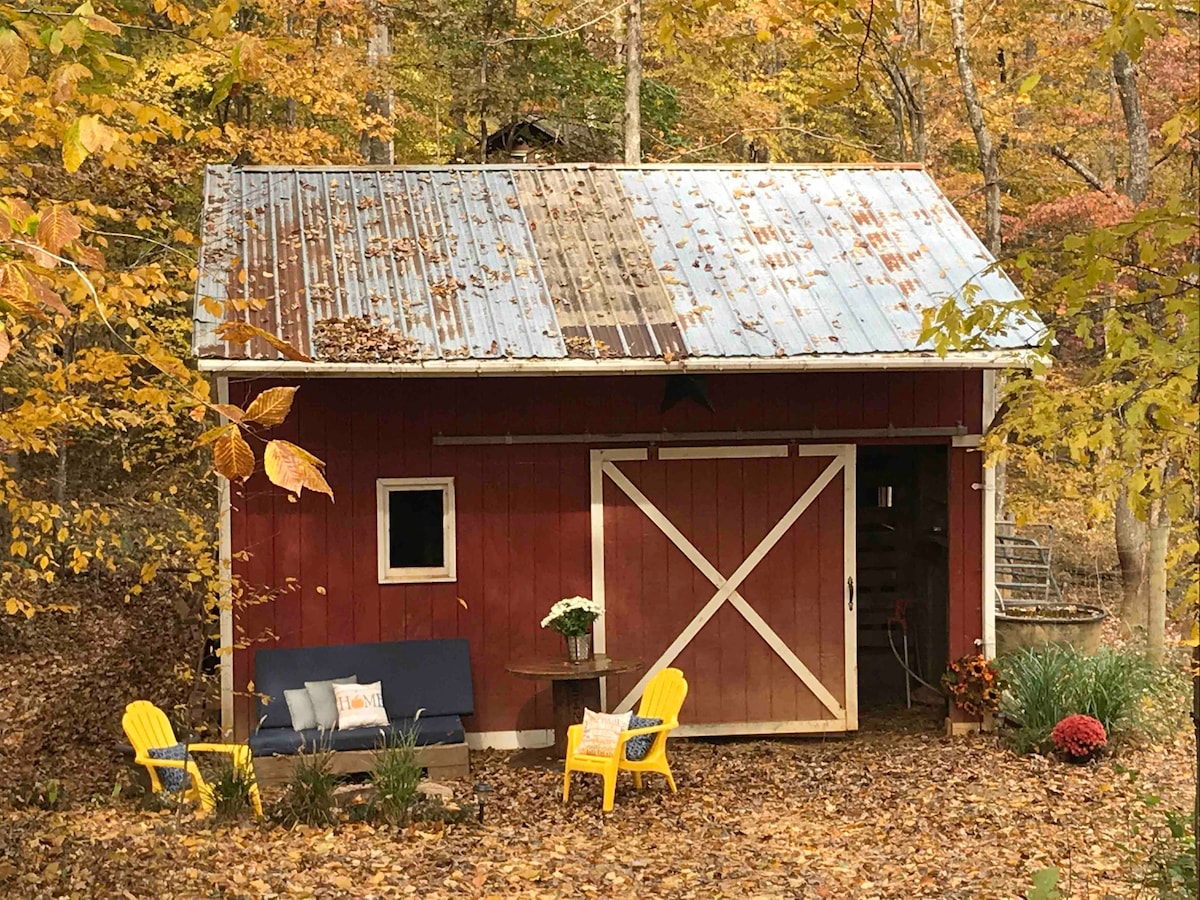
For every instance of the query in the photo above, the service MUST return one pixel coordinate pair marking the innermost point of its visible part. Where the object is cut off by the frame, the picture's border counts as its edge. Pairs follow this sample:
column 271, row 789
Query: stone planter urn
column 1029, row 624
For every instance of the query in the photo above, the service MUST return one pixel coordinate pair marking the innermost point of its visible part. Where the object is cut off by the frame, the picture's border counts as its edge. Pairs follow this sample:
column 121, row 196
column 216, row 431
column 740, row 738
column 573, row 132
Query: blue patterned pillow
column 173, row 780
column 636, row 748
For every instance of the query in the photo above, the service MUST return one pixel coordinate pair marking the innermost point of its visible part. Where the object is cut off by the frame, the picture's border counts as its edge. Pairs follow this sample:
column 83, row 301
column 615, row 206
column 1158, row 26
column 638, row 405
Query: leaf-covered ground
column 897, row 811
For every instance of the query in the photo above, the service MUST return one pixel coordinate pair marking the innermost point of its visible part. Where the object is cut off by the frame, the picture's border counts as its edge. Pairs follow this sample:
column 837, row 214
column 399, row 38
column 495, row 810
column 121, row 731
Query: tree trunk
column 290, row 114
column 380, row 151
column 60, row 477
column 916, row 87
column 1131, row 554
column 1196, row 740
column 483, row 102
column 1160, row 533
column 1137, row 183
column 896, row 108
column 633, row 84
column 920, row 137
column 989, row 161
column 1131, row 533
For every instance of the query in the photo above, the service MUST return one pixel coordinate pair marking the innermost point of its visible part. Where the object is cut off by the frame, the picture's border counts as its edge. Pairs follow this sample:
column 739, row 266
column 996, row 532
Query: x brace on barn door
column 604, row 463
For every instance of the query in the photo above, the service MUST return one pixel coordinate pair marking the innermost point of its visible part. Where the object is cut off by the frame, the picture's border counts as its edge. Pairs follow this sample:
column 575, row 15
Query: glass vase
column 579, row 647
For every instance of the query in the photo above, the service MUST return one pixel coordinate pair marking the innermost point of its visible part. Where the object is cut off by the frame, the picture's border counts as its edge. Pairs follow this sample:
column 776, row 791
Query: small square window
column 416, row 530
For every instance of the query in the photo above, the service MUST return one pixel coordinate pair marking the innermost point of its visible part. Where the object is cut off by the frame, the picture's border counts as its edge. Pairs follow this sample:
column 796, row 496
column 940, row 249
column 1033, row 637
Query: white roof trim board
column 526, row 269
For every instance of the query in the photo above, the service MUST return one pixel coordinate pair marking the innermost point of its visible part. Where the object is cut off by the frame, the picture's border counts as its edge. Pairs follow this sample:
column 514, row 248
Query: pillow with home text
column 359, row 705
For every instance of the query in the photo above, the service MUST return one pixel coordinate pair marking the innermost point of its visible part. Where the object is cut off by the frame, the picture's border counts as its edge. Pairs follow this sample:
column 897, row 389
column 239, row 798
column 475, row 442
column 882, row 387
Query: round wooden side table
column 573, row 686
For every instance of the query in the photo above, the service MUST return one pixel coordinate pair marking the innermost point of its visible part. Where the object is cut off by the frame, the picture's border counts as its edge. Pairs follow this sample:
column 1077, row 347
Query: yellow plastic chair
column 147, row 726
column 662, row 699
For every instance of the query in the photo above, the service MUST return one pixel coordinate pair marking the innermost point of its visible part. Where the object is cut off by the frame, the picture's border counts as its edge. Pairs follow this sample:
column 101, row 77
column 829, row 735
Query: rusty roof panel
column 488, row 262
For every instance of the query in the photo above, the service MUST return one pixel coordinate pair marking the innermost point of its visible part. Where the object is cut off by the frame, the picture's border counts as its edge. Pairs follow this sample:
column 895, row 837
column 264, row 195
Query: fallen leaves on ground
column 895, row 811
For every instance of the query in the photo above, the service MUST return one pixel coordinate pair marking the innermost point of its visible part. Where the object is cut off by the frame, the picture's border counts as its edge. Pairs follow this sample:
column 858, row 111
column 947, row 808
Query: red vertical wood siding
column 523, row 515
column 966, row 546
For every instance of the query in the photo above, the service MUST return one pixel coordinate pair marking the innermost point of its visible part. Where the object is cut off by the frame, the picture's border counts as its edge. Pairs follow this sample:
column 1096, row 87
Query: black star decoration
column 686, row 387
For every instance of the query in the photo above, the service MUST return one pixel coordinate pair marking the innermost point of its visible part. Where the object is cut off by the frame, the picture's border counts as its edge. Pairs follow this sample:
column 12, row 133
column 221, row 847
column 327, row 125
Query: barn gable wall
column 523, row 510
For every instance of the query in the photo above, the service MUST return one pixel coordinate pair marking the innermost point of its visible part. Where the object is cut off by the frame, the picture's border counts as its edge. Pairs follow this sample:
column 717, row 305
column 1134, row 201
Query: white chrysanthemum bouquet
column 572, row 616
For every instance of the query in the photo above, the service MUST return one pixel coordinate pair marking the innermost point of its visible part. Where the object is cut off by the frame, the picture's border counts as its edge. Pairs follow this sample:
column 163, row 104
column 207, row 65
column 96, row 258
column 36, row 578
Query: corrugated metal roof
column 487, row 262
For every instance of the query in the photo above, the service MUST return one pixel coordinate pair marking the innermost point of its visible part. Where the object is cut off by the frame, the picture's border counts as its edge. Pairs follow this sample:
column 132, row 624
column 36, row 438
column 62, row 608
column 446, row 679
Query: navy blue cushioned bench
column 431, row 676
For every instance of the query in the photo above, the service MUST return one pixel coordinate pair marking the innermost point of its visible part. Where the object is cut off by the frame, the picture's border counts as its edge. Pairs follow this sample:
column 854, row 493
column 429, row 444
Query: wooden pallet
column 441, row 762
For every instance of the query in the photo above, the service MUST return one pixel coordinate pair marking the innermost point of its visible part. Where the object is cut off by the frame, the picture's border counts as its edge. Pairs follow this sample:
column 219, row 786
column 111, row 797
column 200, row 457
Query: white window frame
column 416, row 574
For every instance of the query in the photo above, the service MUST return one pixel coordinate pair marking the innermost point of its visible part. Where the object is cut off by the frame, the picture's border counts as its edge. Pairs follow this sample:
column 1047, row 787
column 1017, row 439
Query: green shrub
column 395, row 776
column 1045, row 885
column 1170, row 867
column 229, row 786
column 1167, row 705
column 308, row 798
column 1124, row 691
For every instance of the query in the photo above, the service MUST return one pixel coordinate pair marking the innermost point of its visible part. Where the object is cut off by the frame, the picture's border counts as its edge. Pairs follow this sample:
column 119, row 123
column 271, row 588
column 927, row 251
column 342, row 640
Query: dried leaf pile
column 898, row 811
column 359, row 340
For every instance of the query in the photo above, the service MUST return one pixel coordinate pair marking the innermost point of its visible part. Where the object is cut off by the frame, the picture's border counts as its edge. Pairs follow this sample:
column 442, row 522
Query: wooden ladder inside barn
column 1024, row 565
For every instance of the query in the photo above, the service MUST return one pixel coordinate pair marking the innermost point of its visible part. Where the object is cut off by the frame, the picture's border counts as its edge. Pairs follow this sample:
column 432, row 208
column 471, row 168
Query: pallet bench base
column 441, row 762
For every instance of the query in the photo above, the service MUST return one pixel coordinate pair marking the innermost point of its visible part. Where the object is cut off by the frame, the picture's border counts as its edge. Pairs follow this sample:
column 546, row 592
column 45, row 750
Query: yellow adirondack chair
column 662, row 699
column 147, row 726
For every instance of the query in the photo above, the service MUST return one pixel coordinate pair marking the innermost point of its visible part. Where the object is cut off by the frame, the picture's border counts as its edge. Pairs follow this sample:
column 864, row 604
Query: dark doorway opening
column 903, row 569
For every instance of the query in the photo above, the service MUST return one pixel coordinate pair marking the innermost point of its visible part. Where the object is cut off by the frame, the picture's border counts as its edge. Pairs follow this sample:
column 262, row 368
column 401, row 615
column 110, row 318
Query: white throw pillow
column 360, row 705
column 601, row 732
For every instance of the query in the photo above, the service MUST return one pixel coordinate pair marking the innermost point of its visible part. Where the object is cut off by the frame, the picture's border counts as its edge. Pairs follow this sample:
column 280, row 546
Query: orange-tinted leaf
column 294, row 469
column 5, row 344
column 14, row 289
column 232, row 456
column 230, row 411
column 271, row 406
column 241, row 332
column 14, row 56
column 87, row 256
column 99, row 23
column 212, row 434
column 45, row 293
column 285, row 348
column 57, row 228
column 27, row 291
column 63, row 80
column 18, row 210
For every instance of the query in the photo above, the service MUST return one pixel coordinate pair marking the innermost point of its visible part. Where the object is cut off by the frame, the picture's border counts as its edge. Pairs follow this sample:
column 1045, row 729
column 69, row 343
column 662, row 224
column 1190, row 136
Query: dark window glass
column 415, row 529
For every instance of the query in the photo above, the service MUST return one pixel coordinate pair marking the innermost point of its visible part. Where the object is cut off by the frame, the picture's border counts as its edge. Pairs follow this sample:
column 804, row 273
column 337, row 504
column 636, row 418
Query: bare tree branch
column 1064, row 156
column 1146, row 7
column 560, row 32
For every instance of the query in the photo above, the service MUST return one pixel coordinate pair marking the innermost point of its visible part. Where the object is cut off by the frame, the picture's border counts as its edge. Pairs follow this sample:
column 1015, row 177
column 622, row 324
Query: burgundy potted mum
column 1079, row 738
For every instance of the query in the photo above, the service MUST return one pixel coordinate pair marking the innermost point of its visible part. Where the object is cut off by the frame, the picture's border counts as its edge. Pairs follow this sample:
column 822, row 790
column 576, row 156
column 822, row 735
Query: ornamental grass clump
column 572, row 616
column 231, row 787
column 396, row 776
column 1079, row 738
column 308, row 798
column 1042, row 686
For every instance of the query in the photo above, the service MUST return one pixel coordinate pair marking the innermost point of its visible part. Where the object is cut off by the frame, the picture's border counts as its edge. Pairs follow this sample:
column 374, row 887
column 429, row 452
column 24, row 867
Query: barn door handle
column 850, row 585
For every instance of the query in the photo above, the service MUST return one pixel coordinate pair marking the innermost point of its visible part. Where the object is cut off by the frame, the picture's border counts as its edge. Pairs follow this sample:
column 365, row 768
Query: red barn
column 695, row 394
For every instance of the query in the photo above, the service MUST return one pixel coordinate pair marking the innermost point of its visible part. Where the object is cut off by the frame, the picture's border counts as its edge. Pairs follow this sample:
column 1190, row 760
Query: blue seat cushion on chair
column 433, row 675
column 637, row 747
column 286, row 741
column 173, row 780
